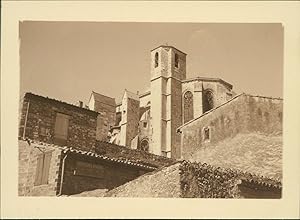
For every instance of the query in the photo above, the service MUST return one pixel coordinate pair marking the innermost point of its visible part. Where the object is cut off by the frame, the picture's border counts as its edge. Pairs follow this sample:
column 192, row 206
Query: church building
column 149, row 121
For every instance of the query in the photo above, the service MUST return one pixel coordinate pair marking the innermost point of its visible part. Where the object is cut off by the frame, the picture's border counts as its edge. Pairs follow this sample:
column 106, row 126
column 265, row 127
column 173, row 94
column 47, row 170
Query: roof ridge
column 102, row 94
column 267, row 97
column 60, row 101
column 66, row 149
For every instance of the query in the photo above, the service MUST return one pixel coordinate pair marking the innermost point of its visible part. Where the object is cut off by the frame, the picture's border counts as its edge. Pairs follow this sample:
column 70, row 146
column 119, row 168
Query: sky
column 67, row 60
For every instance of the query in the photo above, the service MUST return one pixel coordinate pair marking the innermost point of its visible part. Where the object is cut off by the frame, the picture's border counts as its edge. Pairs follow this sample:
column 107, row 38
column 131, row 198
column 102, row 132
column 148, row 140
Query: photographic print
column 151, row 109
column 156, row 109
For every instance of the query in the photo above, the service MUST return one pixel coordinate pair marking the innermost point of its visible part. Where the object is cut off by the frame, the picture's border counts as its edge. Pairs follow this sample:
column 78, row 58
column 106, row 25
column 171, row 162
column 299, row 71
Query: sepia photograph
column 180, row 110
column 156, row 109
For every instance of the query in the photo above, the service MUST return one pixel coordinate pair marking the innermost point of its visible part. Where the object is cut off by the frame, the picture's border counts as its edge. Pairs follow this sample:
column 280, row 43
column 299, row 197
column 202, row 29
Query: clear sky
column 67, row 60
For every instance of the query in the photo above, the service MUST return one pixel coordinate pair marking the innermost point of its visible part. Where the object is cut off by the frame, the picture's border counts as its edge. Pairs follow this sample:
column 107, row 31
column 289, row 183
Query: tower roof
column 132, row 95
column 166, row 46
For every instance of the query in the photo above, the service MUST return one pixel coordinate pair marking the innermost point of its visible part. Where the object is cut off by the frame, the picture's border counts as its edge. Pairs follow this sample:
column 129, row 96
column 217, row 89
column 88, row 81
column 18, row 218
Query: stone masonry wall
column 105, row 120
column 132, row 125
column 41, row 121
column 116, row 151
column 243, row 114
column 27, row 170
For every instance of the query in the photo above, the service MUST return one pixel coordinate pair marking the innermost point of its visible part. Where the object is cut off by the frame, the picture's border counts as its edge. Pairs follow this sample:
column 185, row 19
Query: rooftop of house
column 90, row 154
column 31, row 96
column 166, row 182
column 103, row 99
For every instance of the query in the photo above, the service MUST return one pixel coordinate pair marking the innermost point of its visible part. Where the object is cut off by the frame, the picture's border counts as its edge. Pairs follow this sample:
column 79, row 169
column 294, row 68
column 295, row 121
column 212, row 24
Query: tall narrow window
column 156, row 60
column 176, row 60
column 208, row 100
column 206, row 134
column 42, row 169
column 188, row 107
column 61, row 128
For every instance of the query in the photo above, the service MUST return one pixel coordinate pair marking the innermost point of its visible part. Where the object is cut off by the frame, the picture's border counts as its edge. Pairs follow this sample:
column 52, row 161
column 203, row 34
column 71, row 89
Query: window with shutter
column 61, row 128
column 42, row 169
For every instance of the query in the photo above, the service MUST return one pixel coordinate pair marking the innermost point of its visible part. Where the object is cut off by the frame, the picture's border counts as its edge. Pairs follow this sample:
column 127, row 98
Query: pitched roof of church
column 103, row 99
column 208, row 79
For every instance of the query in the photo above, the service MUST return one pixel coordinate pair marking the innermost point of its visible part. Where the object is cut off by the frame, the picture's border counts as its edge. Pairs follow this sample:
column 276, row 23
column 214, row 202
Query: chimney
column 80, row 104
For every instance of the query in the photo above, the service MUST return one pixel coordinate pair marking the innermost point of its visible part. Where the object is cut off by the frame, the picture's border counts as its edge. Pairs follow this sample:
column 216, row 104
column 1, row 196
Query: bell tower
column 168, row 69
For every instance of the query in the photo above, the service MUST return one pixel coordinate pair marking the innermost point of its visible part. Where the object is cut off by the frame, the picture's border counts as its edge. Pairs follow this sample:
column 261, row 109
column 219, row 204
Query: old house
column 59, row 153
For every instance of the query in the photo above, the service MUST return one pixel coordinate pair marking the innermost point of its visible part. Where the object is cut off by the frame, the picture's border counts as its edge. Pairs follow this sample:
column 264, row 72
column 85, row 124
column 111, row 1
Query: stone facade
column 130, row 118
column 28, row 159
column 162, row 109
column 106, row 107
column 39, row 120
column 242, row 114
column 63, row 171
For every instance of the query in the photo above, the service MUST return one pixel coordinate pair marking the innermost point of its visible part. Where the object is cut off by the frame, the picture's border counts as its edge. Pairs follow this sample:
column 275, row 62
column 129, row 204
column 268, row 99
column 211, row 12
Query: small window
column 61, row 128
column 176, row 60
column 259, row 112
column 206, row 134
column 144, row 146
column 156, row 60
column 145, row 124
column 42, row 169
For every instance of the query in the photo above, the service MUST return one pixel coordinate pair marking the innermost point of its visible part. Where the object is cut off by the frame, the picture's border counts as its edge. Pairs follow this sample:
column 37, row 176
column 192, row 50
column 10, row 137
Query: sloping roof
column 30, row 96
column 163, row 183
column 67, row 149
column 103, row 99
column 166, row 182
column 254, row 153
column 209, row 80
column 167, row 46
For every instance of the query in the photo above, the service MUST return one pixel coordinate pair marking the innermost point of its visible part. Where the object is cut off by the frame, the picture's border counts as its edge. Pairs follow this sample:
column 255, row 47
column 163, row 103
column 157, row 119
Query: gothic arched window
column 176, row 60
column 208, row 100
column 156, row 60
column 188, row 108
column 144, row 146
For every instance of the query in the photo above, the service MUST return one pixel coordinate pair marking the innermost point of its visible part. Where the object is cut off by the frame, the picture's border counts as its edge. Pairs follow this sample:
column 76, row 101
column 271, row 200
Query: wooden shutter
column 39, row 170
column 61, row 126
column 46, row 167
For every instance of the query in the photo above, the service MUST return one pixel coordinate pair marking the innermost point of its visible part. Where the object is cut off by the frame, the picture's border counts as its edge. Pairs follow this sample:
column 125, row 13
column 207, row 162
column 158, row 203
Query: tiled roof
column 30, row 95
column 67, row 149
column 104, row 99
column 209, row 80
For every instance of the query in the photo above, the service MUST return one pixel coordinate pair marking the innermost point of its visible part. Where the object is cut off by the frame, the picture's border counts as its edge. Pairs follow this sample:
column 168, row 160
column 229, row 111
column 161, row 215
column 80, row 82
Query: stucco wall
column 42, row 115
column 240, row 115
column 28, row 167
